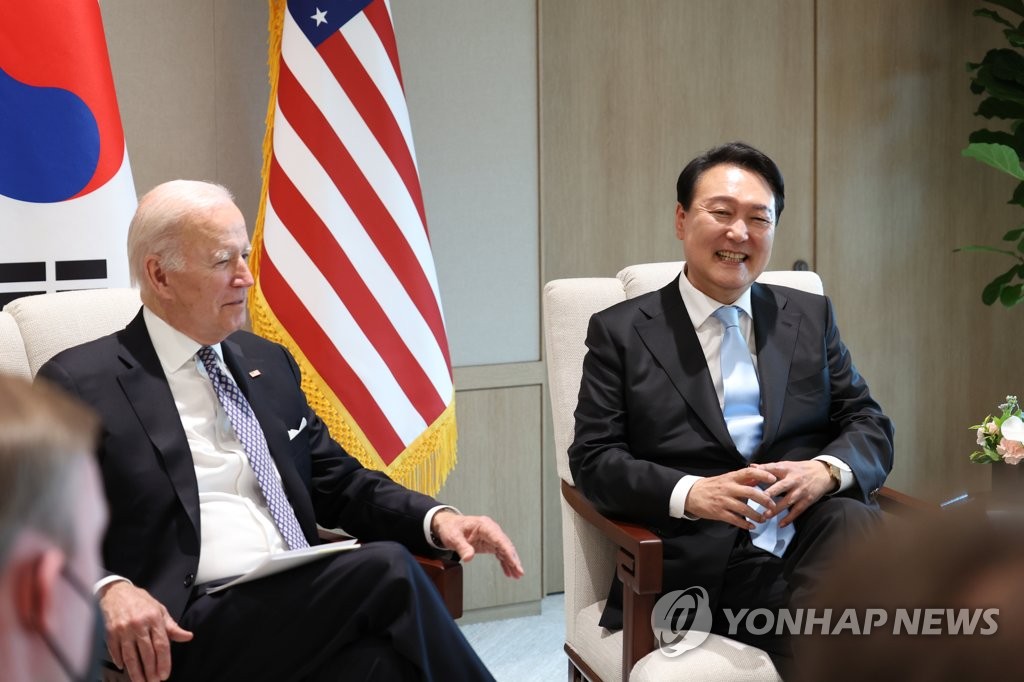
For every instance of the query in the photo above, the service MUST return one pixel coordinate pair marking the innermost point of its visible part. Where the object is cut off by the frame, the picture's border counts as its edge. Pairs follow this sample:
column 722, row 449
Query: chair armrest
column 894, row 502
column 639, row 562
column 638, row 565
column 446, row 574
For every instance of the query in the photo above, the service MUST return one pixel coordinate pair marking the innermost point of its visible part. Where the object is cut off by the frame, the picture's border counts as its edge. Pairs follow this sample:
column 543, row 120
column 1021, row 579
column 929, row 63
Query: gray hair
column 44, row 436
column 155, row 229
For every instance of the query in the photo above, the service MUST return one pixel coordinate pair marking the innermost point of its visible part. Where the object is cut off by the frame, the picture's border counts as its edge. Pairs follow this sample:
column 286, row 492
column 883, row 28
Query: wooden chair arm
column 640, row 548
column 638, row 565
column 446, row 574
column 894, row 502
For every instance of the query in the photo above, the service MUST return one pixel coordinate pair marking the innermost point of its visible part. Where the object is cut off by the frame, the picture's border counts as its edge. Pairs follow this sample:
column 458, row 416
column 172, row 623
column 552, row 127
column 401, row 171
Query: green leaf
column 1015, row 234
column 998, row 156
column 993, row 15
column 1004, row 88
column 1011, row 295
column 1015, row 6
column 1004, row 64
column 985, row 136
column 991, row 292
column 1018, row 196
column 993, row 107
column 975, row 248
column 1015, row 38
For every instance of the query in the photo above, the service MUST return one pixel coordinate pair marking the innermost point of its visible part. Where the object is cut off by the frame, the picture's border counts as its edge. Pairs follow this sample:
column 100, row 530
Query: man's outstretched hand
column 467, row 535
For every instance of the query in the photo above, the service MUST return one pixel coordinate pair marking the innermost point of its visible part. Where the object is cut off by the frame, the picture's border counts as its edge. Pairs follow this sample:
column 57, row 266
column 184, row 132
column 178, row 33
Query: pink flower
column 991, row 426
column 1012, row 451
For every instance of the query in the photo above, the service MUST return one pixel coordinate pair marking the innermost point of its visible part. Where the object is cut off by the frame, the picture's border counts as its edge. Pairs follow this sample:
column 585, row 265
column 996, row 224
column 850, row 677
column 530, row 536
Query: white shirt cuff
column 110, row 579
column 677, row 501
column 429, row 518
column 845, row 472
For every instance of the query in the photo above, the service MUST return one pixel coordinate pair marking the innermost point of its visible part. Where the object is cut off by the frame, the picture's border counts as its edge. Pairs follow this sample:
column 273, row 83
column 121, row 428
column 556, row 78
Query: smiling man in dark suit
column 725, row 414
column 212, row 461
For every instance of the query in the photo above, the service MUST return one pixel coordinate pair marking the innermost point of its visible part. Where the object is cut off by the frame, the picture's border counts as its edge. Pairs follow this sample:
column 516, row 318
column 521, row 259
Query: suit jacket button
column 189, row 579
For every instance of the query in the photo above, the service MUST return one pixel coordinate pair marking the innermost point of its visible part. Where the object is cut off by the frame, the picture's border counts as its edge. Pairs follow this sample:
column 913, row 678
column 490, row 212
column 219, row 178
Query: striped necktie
column 250, row 434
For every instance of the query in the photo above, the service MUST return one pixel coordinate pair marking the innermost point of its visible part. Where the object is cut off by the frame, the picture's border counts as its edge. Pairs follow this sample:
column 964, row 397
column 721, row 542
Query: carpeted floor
column 527, row 649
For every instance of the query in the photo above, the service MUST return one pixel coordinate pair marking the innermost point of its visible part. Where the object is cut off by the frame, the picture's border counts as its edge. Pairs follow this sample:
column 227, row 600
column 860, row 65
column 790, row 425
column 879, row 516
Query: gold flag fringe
column 426, row 463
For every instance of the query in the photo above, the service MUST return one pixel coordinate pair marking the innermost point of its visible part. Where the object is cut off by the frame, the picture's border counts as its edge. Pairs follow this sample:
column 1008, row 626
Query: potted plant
column 999, row 78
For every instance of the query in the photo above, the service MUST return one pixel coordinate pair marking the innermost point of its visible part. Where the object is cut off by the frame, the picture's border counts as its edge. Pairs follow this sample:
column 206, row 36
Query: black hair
column 733, row 154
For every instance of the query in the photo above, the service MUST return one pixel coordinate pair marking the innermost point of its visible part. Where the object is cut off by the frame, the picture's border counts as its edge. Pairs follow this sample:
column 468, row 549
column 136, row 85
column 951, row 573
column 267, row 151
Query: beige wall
column 182, row 118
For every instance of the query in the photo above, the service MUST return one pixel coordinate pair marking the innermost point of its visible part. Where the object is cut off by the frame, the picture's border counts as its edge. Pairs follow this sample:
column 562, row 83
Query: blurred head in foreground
column 938, row 598
column 52, row 517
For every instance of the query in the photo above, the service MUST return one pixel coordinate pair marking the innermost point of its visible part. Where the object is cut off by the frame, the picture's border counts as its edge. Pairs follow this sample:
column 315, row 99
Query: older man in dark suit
column 212, row 461
column 727, row 415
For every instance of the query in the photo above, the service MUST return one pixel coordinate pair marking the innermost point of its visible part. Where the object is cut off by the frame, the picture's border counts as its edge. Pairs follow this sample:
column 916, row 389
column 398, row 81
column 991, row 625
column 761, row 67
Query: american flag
column 345, row 275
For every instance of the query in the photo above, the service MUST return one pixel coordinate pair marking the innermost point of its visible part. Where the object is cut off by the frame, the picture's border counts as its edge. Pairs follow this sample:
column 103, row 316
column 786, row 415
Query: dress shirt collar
column 700, row 306
column 173, row 348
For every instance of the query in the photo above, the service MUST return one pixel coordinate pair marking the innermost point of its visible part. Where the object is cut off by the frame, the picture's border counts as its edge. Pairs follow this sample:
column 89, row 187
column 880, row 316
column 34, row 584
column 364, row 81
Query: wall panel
column 630, row 91
column 894, row 199
column 498, row 474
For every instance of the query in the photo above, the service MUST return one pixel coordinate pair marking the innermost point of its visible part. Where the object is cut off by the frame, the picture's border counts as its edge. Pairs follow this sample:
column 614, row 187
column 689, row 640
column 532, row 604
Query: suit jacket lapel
column 775, row 333
column 145, row 385
column 275, row 430
column 671, row 339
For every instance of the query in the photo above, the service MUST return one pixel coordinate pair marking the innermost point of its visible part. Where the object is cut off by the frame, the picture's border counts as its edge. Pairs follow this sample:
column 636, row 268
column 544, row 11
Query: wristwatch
column 834, row 474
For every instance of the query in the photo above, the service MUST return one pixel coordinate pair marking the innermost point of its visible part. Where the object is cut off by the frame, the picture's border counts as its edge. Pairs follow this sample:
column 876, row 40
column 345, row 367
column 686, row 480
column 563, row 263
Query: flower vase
column 1008, row 484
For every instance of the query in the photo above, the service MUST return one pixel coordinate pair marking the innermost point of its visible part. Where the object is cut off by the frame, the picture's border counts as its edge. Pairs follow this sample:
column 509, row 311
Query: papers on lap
column 283, row 561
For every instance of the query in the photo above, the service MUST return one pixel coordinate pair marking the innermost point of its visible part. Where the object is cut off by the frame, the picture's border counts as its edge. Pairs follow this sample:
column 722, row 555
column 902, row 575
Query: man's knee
column 850, row 517
column 386, row 560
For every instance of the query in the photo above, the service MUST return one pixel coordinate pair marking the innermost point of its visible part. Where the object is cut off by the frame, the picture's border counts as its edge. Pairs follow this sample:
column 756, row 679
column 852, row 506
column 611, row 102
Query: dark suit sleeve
column 865, row 438
column 602, row 465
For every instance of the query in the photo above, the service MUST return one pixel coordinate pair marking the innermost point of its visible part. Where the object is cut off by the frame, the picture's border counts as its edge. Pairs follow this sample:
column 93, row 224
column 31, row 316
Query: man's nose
column 738, row 231
column 243, row 277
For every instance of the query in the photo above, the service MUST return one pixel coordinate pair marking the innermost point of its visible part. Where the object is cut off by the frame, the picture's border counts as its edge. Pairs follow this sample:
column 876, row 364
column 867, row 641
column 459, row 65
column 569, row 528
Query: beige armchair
column 594, row 546
column 35, row 328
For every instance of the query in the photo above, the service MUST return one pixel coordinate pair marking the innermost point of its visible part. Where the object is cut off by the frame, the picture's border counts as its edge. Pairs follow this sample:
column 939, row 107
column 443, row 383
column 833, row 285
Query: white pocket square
column 294, row 432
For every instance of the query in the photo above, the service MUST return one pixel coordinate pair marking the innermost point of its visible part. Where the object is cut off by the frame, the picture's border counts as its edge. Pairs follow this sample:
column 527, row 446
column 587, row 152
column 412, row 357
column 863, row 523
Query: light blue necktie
column 743, row 418
column 250, row 434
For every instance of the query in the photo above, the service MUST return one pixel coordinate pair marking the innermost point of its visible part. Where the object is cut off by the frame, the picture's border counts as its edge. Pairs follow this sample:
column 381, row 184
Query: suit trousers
column 367, row 614
column 756, row 579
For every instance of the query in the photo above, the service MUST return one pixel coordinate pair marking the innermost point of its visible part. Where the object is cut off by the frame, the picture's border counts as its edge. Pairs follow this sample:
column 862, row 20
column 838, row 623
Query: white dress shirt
column 237, row 530
column 701, row 307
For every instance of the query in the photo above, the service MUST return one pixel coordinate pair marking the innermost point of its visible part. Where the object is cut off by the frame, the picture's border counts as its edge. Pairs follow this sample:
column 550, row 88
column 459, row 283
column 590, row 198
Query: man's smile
column 731, row 256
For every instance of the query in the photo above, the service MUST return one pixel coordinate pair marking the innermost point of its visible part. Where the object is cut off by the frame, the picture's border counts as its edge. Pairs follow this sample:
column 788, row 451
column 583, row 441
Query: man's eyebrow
column 728, row 198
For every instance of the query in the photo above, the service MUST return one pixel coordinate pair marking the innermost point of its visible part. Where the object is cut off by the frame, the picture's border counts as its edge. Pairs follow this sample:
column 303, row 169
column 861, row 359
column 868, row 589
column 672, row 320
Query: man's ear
column 34, row 579
column 680, row 217
column 155, row 275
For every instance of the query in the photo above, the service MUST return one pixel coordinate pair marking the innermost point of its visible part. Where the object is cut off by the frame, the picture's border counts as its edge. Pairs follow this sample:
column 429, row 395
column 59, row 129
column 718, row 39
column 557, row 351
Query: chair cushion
column 12, row 349
column 718, row 658
column 51, row 323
